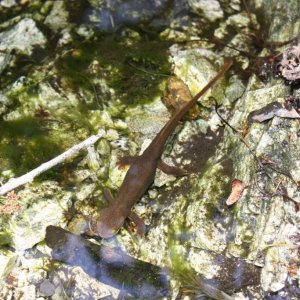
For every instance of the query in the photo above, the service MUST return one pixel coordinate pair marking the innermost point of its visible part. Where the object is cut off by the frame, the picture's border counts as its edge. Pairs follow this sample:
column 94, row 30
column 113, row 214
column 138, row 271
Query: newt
column 142, row 171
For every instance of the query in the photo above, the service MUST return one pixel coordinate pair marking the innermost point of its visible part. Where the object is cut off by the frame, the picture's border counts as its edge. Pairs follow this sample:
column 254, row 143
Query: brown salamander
column 141, row 173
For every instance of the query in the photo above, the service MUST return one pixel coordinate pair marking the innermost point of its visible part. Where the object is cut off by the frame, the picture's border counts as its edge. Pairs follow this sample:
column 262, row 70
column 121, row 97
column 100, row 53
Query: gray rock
column 8, row 3
column 7, row 262
column 5, row 59
column 23, row 37
column 47, row 288
column 46, row 206
column 283, row 17
column 25, row 292
column 235, row 89
column 58, row 17
column 83, row 286
column 4, row 101
column 194, row 66
column 210, row 9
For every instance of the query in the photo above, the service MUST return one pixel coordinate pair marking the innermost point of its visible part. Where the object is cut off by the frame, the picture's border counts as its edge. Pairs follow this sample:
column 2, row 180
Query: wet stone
column 210, row 9
column 23, row 37
column 58, row 17
column 8, row 3
column 47, row 288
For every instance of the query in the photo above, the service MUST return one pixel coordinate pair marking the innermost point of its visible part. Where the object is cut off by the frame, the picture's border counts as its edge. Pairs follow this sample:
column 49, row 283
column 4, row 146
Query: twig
column 26, row 178
column 239, row 135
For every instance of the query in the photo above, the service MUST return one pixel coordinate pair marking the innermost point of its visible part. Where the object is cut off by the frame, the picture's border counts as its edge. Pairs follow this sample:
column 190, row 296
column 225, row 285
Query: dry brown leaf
column 237, row 187
column 270, row 111
column 293, row 269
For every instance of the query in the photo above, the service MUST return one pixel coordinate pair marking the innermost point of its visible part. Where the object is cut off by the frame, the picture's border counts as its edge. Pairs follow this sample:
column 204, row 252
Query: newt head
column 110, row 222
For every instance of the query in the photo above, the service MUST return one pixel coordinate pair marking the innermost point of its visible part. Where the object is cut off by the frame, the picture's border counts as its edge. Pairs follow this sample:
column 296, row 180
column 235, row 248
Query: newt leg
column 141, row 227
column 108, row 195
column 171, row 170
column 126, row 161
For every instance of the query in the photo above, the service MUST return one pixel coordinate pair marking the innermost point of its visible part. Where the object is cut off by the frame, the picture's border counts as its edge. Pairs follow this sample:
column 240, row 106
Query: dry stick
column 26, row 178
column 240, row 137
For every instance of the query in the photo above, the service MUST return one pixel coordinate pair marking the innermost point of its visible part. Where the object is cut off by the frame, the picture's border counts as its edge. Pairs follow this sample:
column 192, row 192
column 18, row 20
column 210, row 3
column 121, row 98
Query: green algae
column 5, row 237
column 25, row 145
column 17, row 11
column 133, row 69
column 108, row 74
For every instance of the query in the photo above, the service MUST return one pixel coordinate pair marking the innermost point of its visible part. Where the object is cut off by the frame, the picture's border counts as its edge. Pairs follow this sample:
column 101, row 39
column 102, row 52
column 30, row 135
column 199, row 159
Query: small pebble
column 47, row 288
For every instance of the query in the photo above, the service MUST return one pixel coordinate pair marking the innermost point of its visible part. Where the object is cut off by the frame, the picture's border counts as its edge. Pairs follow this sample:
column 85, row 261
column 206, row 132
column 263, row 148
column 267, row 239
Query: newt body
column 142, row 171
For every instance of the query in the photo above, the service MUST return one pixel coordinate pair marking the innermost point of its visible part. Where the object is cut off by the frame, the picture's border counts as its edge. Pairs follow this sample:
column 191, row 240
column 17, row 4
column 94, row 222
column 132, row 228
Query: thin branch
column 26, row 178
column 239, row 135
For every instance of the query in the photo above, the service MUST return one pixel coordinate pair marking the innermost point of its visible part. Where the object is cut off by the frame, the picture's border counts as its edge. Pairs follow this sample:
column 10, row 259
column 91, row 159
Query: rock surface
column 55, row 92
column 23, row 37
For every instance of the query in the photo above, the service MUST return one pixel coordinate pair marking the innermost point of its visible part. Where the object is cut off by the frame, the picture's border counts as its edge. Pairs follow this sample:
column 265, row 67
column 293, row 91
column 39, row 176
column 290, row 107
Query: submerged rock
column 111, row 15
column 84, row 287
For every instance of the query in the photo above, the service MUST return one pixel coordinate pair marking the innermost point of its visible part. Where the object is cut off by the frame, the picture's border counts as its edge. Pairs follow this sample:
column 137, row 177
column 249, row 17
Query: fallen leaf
column 271, row 110
column 293, row 269
column 237, row 187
